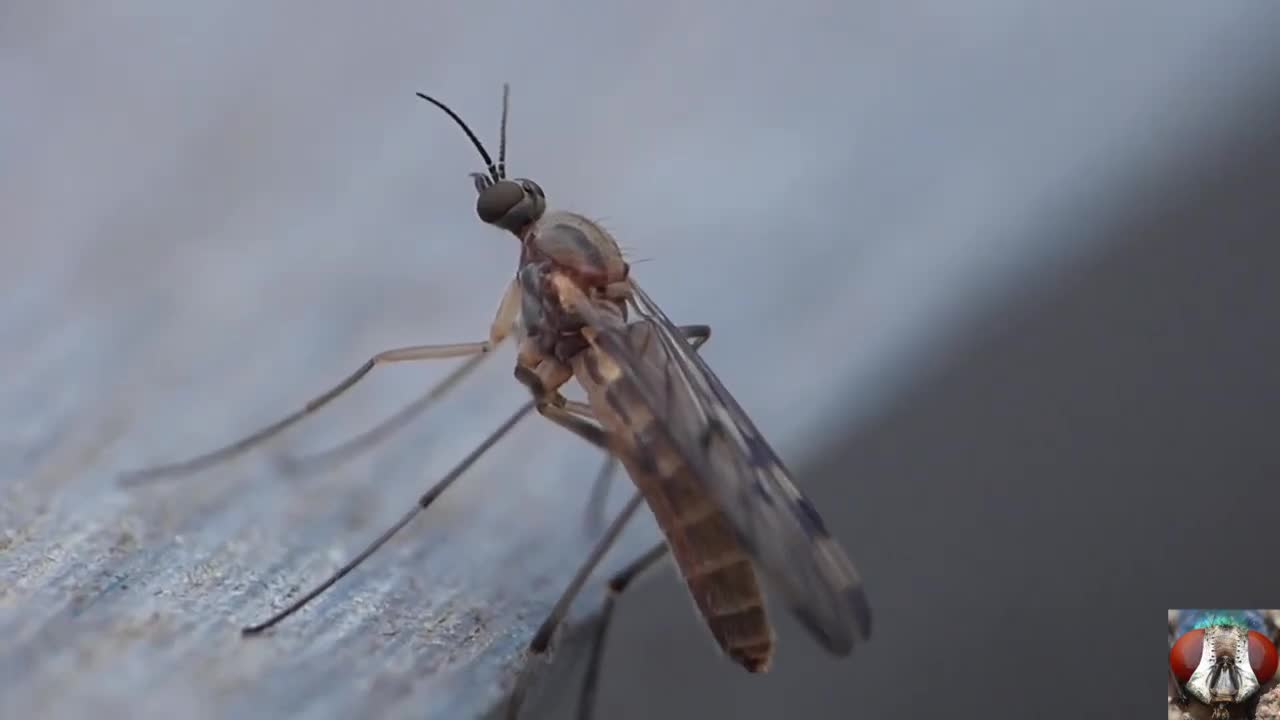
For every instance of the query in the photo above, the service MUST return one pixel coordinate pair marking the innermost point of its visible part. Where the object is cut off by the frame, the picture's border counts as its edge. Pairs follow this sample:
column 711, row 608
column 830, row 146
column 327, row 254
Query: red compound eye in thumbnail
column 1262, row 656
column 1184, row 658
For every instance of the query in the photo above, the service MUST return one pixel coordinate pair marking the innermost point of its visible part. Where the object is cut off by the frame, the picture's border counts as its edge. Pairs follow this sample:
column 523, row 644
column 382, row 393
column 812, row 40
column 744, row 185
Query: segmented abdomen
column 714, row 564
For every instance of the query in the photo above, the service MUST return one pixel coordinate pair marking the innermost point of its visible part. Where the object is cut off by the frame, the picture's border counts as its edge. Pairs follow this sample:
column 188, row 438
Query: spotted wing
column 773, row 520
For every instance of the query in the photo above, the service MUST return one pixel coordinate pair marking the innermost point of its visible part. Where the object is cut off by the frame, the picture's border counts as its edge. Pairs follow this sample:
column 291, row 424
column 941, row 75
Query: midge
column 725, row 502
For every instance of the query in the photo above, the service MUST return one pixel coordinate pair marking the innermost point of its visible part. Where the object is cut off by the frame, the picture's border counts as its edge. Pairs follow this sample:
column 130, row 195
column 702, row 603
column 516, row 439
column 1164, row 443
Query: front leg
column 544, row 383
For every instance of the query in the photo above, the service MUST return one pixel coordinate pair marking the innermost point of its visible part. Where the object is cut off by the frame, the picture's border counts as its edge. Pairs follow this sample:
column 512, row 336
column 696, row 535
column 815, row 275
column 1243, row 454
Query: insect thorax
column 570, row 246
column 578, row 247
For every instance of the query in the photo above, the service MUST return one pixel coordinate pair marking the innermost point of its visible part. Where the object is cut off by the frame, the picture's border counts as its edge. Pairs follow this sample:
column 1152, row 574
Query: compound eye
column 1184, row 657
column 1262, row 656
column 497, row 200
column 532, row 188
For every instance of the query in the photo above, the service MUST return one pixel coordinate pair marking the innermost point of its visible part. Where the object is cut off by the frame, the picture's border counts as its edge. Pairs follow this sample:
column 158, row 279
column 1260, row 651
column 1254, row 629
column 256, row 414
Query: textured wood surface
column 206, row 217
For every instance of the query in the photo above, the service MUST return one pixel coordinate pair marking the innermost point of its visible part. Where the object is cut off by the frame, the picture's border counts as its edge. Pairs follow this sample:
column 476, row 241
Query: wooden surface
column 223, row 219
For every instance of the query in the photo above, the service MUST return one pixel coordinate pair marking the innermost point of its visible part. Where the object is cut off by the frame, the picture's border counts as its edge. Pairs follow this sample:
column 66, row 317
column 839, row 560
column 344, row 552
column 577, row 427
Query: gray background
column 998, row 284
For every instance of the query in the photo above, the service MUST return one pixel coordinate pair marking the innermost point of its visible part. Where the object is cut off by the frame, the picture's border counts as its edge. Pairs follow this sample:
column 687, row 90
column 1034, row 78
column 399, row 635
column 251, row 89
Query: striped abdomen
column 714, row 564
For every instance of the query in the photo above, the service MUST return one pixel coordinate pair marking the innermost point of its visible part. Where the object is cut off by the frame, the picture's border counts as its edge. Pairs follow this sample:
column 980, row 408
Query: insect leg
column 503, row 320
column 213, row 457
column 594, row 520
column 551, row 405
column 579, row 408
column 697, row 335
column 354, row 446
column 617, row 585
column 599, row 493
column 427, row 498
column 542, row 638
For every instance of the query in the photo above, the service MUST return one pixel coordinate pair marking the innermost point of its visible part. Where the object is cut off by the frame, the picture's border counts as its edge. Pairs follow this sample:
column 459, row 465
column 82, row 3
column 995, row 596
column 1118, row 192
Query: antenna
column 494, row 172
column 502, row 132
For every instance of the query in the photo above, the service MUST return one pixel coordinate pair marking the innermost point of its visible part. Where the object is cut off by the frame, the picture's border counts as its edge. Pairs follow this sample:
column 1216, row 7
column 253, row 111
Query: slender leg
column 617, row 585
column 404, row 354
column 600, row 488
column 348, row 449
column 427, row 498
column 579, row 408
column 503, row 321
column 599, row 493
column 575, row 424
column 551, row 405
column 697, row 335
column 542, row 638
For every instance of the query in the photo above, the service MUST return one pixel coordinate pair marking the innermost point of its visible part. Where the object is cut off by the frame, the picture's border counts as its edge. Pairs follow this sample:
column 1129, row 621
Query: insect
column 1221, row 660
column 727, row 507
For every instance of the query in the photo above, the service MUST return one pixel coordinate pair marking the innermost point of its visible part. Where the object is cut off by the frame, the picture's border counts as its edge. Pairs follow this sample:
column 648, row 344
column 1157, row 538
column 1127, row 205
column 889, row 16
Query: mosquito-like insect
column 724, row 501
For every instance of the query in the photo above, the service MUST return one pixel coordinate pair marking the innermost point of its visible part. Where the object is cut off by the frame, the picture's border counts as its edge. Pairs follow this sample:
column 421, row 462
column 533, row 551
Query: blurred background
column 998, row 284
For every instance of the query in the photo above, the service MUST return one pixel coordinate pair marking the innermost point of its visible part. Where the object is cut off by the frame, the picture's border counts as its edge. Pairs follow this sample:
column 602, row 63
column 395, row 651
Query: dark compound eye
column 497, row 200
column 1262, row 656
column 1184, row 658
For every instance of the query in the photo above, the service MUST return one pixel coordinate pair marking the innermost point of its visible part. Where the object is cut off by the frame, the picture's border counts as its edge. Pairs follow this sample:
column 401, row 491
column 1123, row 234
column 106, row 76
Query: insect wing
column 774, row 521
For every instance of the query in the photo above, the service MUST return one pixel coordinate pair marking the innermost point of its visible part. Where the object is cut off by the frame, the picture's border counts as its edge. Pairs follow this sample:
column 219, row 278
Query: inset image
column 1222, row 665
